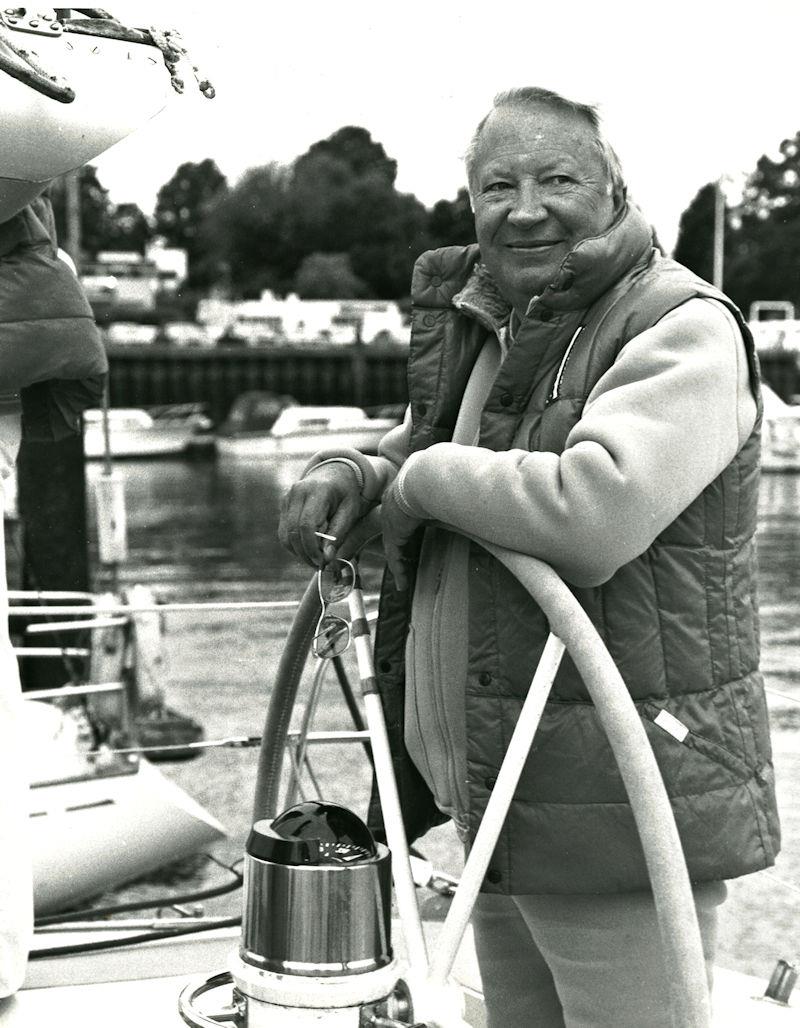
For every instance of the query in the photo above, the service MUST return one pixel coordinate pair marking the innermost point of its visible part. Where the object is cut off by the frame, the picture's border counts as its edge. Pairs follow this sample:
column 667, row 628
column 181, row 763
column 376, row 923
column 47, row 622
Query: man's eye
column 496, row 187
column 560, row 180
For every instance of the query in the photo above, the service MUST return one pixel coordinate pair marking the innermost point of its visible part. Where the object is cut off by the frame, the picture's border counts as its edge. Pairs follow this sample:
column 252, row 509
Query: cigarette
column 330, row 538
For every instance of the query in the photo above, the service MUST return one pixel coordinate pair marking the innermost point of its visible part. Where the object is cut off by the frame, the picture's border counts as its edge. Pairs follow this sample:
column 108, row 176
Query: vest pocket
column 413, row 716
column 684, row 736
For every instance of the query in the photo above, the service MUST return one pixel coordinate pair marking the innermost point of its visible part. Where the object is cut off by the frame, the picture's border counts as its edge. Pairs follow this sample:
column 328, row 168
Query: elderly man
column 577, row 397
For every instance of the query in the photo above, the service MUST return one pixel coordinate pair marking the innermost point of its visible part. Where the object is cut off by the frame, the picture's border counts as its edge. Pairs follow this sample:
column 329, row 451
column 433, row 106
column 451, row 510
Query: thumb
column 396, row 565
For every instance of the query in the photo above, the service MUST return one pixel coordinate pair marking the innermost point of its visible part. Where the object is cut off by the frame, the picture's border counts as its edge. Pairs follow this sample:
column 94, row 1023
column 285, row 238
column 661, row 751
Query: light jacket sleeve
column 660, row 425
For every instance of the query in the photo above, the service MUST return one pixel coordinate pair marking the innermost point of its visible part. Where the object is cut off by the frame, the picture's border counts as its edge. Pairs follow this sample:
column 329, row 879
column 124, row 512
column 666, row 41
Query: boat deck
column 130, row 986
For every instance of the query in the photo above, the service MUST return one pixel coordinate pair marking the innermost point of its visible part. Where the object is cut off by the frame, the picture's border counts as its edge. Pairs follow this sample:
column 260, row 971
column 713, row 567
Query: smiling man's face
column 540, row 185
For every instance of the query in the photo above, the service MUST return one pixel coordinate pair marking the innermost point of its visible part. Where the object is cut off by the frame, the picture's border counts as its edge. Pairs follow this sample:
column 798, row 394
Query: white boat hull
column 261, row 444
column 155, row 442
column 92, row 835
column 118, row 86
column 778, row 458
column 133, row 432
column 780, row 434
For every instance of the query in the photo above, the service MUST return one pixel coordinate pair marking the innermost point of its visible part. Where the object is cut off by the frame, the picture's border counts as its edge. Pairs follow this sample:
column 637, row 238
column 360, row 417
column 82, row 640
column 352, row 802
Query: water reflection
column 206, row 529
column 201, row 530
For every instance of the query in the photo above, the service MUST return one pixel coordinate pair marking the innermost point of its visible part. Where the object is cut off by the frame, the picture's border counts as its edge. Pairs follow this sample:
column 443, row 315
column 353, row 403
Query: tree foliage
column 342, row 199
column 246, row 230
column 331, row 224
column 182, row 206
column 328, row 276
column 762, row 232
column 96, row 211
column 695, row 243
column 129, row 229
column 451, row 222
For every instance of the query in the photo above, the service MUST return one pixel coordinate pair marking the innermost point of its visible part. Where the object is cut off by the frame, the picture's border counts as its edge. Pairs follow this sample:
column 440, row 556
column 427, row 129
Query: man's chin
column 530, row 284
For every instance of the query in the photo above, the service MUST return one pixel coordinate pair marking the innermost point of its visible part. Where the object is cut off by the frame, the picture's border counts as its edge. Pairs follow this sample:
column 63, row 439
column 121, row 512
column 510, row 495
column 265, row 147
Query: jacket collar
column 589, row 270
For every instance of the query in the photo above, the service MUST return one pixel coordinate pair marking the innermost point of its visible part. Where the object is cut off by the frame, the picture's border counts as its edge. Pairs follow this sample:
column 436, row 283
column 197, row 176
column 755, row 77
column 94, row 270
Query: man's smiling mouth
column 540, row 244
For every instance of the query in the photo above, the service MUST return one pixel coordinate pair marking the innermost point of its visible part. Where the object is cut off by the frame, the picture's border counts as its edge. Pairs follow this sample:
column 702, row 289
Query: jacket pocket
column 683, row 735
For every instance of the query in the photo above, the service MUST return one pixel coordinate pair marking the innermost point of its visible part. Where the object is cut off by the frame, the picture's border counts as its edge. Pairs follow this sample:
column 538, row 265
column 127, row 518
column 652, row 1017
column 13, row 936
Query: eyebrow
column 504, row 166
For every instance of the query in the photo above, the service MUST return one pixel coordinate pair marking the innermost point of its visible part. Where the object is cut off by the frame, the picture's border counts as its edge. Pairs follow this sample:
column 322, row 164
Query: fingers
column 322, row 504
column 304, row 512
column 342, row 522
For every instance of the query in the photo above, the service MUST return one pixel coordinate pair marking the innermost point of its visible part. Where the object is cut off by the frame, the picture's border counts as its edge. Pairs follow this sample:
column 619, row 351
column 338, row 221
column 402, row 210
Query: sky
column 688, row 91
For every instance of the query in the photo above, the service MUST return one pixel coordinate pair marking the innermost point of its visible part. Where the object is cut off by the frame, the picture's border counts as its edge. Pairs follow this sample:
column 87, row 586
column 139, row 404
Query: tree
column 328, row 276
column 452, row 223
column 182, row 206
column 774, row 187
column 129, row 229
column 762, row 233
column 246, row 229
column 695, row 244
column 342, row 199
column 96, row 211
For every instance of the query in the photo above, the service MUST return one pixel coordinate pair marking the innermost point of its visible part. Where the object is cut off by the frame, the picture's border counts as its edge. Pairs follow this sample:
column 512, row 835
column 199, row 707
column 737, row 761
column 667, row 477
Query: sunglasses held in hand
column 333, row 634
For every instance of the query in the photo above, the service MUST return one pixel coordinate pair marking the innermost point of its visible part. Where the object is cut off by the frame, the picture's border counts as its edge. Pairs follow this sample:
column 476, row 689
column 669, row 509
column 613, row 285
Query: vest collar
column 589, row 270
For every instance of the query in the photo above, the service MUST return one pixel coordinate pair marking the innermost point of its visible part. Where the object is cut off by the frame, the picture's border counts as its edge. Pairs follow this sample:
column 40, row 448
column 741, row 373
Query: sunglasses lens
column 336, row 581
column 332, row 637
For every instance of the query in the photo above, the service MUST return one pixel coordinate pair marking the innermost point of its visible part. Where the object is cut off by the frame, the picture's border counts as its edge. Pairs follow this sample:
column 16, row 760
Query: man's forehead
column 547, row 137
column 536, row 126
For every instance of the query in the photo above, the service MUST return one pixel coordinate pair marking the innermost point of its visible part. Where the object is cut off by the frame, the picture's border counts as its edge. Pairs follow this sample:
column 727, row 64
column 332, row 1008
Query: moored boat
column 260, row 425
column 780, row 433
column 133, row 432
column 97, row 819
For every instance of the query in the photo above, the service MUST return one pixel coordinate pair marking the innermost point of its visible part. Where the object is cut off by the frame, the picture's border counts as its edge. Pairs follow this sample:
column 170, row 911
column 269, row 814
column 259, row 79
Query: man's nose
column 528, row 207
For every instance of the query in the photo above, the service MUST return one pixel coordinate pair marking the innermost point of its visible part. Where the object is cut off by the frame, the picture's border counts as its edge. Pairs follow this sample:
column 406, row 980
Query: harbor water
column 206, row 530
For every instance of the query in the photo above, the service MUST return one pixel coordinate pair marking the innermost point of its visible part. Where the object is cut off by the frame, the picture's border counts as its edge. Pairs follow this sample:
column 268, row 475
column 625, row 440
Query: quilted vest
column 680, row 620
column 50, row 348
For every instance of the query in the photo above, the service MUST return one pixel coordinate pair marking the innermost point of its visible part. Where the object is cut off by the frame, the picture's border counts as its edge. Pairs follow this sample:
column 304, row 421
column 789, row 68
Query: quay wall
column 364, row 376
column 360, row 375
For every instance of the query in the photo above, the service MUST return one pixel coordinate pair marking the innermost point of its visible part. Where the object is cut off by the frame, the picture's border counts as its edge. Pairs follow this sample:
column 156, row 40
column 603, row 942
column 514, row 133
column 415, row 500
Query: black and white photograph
column 400, row 479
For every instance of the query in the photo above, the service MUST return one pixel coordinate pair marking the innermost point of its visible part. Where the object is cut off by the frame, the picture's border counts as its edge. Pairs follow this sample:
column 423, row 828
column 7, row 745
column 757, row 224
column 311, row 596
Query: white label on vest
column 677, row 729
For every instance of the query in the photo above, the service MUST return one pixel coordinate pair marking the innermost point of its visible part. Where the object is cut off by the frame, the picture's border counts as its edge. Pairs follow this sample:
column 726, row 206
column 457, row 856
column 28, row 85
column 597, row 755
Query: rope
column 782, row 695
column 28, row 70
column 170, row 44
column 97, row 22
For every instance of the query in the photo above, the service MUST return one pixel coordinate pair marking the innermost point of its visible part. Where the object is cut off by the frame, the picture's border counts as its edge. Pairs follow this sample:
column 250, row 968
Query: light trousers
column 580, row 961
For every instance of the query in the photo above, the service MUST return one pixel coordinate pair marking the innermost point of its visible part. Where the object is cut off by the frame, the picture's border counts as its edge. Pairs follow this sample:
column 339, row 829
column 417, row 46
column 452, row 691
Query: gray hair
column 536, row 96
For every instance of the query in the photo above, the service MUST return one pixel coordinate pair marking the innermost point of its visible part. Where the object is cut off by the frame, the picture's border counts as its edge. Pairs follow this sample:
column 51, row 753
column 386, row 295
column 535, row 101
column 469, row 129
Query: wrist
column 342, row 462
column 404, row 492
column 368, row 483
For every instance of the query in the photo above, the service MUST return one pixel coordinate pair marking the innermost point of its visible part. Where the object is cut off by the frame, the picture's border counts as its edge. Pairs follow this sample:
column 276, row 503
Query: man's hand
column 327, row 500
column 398, row 527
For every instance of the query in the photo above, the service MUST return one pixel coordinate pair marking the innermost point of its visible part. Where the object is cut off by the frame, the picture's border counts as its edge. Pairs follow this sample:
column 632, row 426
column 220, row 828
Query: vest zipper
column 446, row 742
column 560, row 373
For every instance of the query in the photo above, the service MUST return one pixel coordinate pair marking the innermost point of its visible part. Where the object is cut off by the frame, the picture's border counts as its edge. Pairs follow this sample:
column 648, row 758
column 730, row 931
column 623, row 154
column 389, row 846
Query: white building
column 292, row 320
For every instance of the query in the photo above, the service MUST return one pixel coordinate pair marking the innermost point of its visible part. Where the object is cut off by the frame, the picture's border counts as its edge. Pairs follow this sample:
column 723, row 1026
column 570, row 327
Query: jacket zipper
column 445, row 740
column 560, row 373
